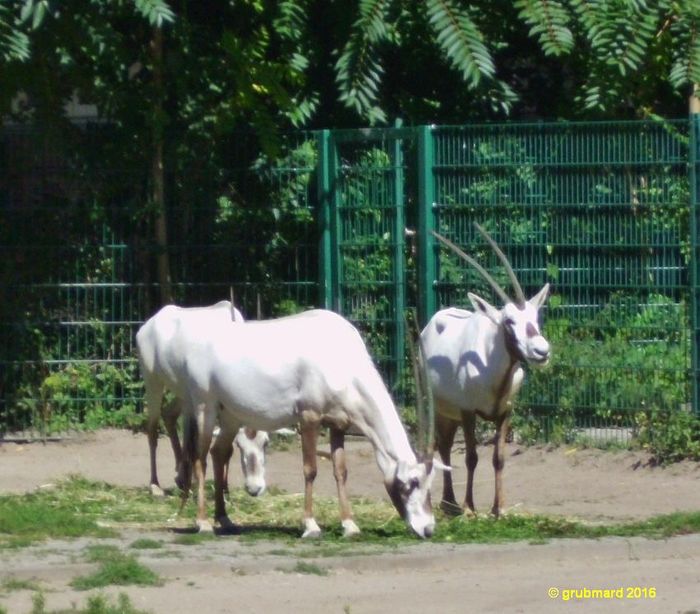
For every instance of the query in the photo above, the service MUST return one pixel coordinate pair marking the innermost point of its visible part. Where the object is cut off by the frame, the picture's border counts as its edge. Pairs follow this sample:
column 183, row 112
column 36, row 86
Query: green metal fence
column 365, row 273
column 602, row 211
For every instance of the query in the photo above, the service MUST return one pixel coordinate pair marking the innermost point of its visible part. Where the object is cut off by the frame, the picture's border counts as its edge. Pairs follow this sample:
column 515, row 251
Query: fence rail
column 604, row 211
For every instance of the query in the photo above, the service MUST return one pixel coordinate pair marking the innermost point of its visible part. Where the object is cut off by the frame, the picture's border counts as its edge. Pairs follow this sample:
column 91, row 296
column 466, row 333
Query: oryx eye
column 411, row 485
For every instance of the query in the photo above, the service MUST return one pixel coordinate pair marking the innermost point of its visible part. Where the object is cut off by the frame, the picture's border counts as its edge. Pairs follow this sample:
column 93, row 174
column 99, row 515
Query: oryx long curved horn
column 519, row 294
column 484, row 273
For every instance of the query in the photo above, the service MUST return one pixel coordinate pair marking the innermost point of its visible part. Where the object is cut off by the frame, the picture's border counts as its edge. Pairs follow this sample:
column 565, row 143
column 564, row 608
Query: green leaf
column 461, row 41
column 358, row 71
column 157, row 12
column 548, row 20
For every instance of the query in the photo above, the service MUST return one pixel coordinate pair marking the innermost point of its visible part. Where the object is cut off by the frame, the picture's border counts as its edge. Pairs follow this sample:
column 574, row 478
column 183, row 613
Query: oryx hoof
column 497, row 512
column 350, row 529
column 451, row 508
column 156, row 491
column 204, row 526
column 311, row 529
column 227, row 525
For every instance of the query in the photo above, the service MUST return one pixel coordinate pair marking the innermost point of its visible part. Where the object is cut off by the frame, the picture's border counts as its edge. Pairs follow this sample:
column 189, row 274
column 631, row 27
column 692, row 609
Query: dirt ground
column 228, row 575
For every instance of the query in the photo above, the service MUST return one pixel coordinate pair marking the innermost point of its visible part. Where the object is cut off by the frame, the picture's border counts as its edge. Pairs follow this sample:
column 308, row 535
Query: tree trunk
column 157, row 172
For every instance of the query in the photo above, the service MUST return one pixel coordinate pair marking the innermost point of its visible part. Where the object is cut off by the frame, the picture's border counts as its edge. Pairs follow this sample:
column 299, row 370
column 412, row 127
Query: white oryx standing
column 312, row 369
column 161, row 351
column 474, row 362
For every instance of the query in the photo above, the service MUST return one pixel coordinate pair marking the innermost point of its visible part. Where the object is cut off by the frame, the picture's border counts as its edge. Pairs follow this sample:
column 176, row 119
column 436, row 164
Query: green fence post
column 325, row 198
column 694, row 172
column 399, row 244
column 427, row 263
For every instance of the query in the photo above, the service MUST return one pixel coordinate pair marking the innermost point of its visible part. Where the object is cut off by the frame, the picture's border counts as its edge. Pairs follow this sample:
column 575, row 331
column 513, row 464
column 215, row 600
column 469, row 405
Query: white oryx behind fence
column 162, row 350
column 312, row 369
column 474, row 362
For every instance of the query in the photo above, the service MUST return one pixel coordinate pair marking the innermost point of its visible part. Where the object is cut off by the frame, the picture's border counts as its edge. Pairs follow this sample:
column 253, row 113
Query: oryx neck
column 503, row 390
column 389, row 441
column 391, row 445
column 379, row 421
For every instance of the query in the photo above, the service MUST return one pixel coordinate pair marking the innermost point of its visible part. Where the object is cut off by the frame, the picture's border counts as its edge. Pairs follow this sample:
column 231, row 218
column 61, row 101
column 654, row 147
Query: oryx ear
column 438, row 464
column 485, row 308
column 540, row 298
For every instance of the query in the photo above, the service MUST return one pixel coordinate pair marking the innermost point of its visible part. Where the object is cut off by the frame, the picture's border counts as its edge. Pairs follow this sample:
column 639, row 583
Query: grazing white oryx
column 474, row 362
column 161, row 350
column 312, row 369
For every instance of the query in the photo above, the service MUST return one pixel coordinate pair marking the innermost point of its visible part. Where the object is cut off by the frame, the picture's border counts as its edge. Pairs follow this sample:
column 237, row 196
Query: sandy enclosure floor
column 229, row 575
column 589, row 484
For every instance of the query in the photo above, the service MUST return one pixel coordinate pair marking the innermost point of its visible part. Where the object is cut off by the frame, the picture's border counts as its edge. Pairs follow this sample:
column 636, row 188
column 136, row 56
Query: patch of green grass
column 98, row 553
column 13, row 542
column 668, row 525
column 275, row 491
column 96, row 604
column 319, row 549
column 115, row 568
column 77, row 507
column 146, row 544
column 537, row 529
column 307, row 568
column 192, row 539
column 14, row 584
column 486, row 529
column 28, row 518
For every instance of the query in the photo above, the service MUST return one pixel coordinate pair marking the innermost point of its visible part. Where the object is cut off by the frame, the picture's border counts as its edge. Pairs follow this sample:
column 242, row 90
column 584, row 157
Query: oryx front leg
column 227, row 455
column 471, row 457
column 445, row 429
column 171, row 413
column 499, row 450
column 309, row 440
column 205, row 417
column 221, row 455
column 340, row 471
column 153, row 399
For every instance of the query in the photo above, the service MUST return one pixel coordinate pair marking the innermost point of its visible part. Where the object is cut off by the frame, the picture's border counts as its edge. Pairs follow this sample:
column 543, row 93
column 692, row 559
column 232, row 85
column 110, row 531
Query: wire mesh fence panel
column 599, row 210
column 369, row 215
column 78, row 275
